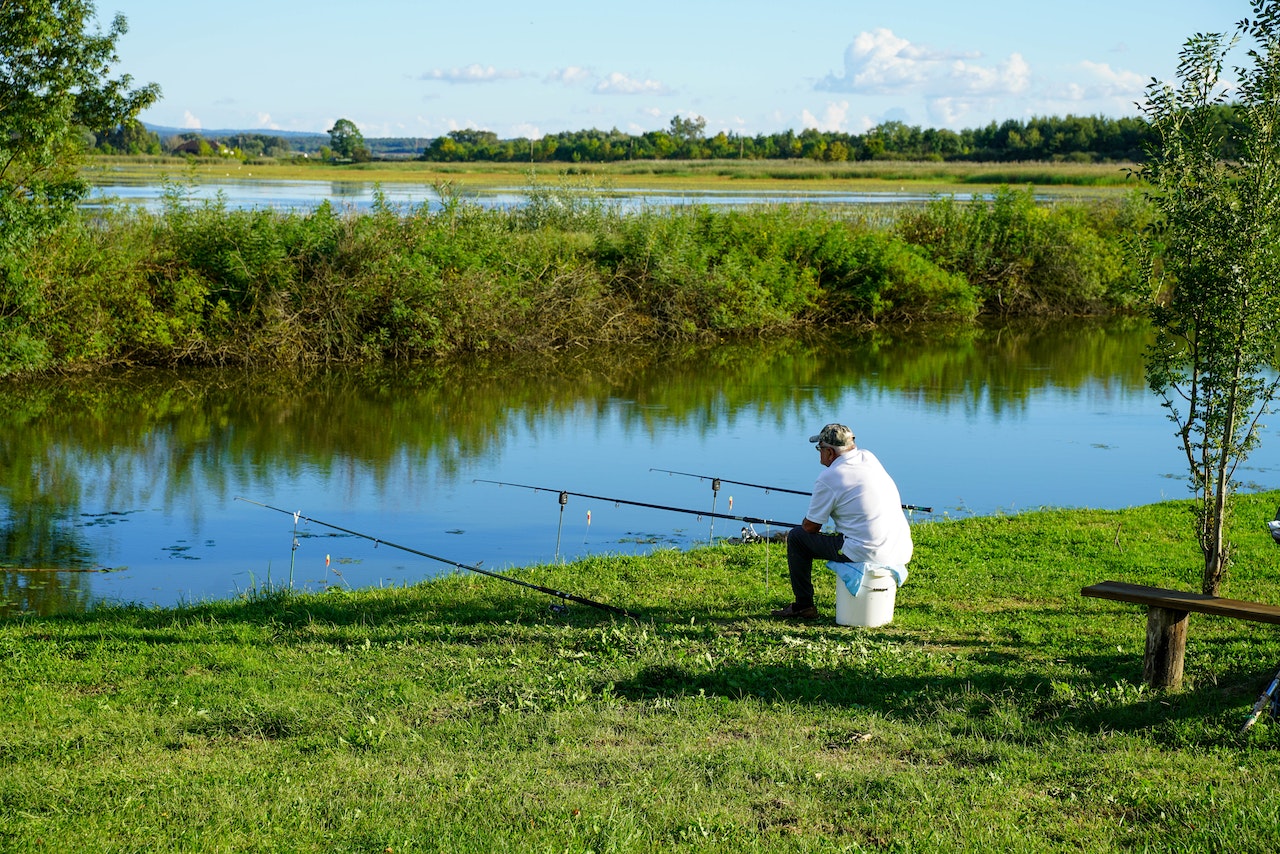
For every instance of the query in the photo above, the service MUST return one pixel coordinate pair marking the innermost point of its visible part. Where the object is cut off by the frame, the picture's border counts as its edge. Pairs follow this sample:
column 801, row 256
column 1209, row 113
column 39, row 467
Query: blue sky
column 406, row 69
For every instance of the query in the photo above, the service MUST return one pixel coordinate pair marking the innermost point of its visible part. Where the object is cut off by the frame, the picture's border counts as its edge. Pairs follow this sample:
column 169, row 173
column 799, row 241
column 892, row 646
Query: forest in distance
column 1078, row 139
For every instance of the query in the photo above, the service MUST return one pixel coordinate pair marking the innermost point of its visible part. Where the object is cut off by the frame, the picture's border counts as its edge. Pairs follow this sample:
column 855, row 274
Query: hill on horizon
column 299, row 141
column 166, row 130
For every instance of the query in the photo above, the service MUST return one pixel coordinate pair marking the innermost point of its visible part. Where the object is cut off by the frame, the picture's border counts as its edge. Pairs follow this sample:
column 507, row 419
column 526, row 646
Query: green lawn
column 1000, row 710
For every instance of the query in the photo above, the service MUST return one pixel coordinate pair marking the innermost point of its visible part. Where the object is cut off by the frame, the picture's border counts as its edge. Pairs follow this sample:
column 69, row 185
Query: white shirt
column 862, row 501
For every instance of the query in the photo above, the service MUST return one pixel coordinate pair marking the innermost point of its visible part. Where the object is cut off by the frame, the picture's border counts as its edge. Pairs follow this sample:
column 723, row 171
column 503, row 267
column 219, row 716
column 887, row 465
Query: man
column 860, row 499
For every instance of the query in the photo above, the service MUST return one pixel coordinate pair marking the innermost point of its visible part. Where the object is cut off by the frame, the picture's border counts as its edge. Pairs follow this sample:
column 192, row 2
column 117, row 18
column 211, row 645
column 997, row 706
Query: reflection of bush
column 200, row 284
column 190, row 431
column 178, row 438
column 42, row 555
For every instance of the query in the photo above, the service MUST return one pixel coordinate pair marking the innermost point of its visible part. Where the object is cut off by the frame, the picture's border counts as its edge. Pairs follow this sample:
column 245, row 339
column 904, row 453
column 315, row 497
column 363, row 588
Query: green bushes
column 880, row 277
column 1023, row 258
column 198, row 283
column 695, row 271
column 702, row 271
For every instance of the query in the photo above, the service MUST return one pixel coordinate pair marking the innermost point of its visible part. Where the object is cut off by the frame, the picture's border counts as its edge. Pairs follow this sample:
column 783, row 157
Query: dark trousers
column 802, row 548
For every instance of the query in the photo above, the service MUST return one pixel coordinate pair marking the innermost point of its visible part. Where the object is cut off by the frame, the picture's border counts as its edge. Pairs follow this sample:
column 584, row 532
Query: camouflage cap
column 835, row 436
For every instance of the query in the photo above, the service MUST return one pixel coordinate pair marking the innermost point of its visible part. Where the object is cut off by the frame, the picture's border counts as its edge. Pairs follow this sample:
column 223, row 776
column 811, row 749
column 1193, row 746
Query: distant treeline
column 1082, row 139
column 1073, row 138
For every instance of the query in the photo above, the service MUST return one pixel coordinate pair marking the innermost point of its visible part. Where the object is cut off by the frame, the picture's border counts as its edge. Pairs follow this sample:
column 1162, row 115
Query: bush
column 198, row 283
column 1024, row 258
column 878, row 277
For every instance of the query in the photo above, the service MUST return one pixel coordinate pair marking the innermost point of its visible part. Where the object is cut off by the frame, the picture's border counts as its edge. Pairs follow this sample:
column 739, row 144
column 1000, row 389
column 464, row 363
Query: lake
column 242, row 193
column 124, row 487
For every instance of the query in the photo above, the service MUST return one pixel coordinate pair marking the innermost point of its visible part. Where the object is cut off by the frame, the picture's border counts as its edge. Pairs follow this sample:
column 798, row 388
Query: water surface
column 292, row 195
column 138, row 473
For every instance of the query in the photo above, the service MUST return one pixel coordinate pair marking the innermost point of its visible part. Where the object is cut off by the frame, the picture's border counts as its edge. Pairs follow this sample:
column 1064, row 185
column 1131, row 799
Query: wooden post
column 1166, row 647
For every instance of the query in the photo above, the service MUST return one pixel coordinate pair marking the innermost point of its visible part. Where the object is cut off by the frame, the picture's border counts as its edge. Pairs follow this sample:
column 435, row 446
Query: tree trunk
column 1215, row 552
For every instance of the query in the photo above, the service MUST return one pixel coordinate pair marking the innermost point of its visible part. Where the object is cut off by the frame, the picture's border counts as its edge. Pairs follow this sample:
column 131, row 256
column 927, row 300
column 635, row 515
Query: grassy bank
column 1000, row 710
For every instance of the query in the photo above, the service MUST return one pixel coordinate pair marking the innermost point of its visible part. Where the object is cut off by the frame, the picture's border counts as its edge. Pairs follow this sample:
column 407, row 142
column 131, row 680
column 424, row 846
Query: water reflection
column 137, row 473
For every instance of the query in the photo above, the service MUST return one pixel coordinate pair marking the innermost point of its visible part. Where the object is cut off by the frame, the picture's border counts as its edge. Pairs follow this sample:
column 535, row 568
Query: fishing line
column 378, row 540
column 716, row 481
column 715, row 493
column 564, row 499
column 293, row 551
column 616, row 501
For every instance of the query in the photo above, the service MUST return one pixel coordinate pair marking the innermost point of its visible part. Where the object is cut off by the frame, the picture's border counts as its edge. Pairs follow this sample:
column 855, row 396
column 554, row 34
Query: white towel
column 852, row 574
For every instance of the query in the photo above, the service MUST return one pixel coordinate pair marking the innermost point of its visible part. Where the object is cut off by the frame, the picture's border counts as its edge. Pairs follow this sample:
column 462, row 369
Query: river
column 125, row 487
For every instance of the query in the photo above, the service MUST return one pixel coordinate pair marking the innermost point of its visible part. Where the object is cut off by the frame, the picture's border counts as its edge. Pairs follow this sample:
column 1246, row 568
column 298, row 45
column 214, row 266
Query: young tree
column 54, row 81
column 346, row 141
column 1215, row 250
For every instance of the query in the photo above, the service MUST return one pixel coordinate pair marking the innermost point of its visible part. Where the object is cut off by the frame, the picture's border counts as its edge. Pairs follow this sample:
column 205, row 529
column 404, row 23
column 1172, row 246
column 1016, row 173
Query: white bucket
column 873, row 606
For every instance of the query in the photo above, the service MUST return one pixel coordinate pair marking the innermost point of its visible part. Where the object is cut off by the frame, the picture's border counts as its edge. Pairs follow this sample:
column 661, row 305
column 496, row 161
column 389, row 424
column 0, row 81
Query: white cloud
column 1096, row 88
column 1112, row 83
column 1009, row 78
column 878, row 63
column 264, row 121
column 948, row 111
column 527, row 131
column 881, row 63
column 834, row 118
column 620, row 84
column 570, row 75
column 466, row 124
column 474, row 73
column 190, row 121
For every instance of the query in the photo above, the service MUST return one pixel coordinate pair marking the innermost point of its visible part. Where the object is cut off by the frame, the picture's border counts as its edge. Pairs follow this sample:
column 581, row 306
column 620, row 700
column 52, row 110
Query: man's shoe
column 795, row 612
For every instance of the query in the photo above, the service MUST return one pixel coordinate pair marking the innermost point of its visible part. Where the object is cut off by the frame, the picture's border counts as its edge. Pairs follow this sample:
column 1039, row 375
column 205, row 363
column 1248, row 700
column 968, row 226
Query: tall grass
column 203, row 284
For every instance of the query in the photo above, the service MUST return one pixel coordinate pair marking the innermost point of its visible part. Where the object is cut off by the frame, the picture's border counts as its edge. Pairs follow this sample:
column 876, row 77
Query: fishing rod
column 564, row 493
column 715, row 487
column 716, row 481
column 376, row 540
column 1269, row 698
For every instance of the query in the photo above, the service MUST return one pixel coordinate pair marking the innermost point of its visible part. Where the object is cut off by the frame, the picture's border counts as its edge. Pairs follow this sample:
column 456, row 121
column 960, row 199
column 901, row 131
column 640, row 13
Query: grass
column 747, row 176
column 999, row 710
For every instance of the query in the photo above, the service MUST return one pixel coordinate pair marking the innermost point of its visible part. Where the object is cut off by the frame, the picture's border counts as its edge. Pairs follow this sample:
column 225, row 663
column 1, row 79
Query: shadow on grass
column 993, row 687
column 394, row 614
column 1017, row 706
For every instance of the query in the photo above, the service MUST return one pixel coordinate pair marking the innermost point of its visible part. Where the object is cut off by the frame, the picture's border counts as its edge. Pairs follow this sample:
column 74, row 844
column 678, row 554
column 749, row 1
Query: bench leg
column 1166, row 647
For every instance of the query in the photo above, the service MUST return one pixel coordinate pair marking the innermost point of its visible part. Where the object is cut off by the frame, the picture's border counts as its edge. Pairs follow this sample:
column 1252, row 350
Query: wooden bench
column 1167, row 612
